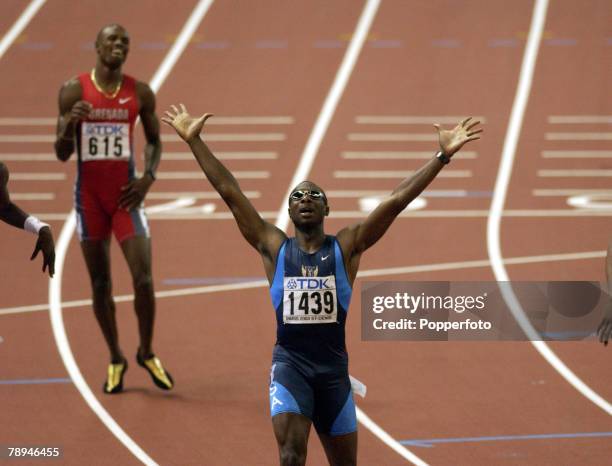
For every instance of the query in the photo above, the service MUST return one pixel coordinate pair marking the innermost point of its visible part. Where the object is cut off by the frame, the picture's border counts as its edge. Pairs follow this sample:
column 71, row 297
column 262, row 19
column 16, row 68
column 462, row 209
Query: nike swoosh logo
column 323, row 258
column 124, row 101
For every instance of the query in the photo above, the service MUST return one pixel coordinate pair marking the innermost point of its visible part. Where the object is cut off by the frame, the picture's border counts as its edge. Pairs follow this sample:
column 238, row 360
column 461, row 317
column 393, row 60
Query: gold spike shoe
column 160, row 376
column 114, row 377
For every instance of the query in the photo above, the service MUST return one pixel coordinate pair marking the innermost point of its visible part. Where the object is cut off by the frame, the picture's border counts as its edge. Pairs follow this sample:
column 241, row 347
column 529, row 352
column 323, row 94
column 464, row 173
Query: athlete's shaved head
column 106, row 29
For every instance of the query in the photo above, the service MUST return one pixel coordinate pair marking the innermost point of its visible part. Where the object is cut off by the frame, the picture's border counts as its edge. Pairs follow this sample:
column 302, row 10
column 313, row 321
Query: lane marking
column 28, row 157
column 576, row 154
column 412, row 120
column 236, row 155
column 401, row 174
column 428, row 443
column 356, row 214
column 499, row 198
column 238, row 137
column 389, row 271
column 19, row 25
column 574, row 173
column 568, row 192
column 198, row 175
column 195, row 194
column 591, row 201
column 218, row 120
column 55, row 285
column 562, row 119
column 392, row 137
column 33, row 196
column 17, row 176
column 35, row 381
column 169, row 206
column 578, row 136
column 397, row 155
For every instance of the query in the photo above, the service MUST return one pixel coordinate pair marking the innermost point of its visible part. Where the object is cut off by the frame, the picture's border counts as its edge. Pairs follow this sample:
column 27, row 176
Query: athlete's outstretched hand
column 184, row 124
column 451, row 140
column 604, row 331
column 47, row 246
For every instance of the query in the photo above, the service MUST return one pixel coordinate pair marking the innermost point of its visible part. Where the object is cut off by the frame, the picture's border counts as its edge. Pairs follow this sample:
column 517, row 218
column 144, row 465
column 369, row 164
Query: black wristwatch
column 445, row 159
column 151, row 174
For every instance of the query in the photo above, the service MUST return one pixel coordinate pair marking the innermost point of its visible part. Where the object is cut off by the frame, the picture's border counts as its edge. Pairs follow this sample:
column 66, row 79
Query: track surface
column 279, row 59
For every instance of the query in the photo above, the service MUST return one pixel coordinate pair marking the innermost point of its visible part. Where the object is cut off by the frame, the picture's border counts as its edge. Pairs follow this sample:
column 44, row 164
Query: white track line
column 234, row 155
column 578, row 154
column 499, row 197
column 389, row 271
column 25, row 121
column 307, row 160
column 19, row 25
column 400, row 174
column 32, row 196
column 412, row 120
column 27, row 157
column 561, row 119
column 575, row 173
column 397, row 155
column 218, row 120
column 198, row 175
column 231, row 137
column 46, row 176
column 392, row 136
column 195, row 194
column 568, row 192
column 55, row 290
column 578, row 136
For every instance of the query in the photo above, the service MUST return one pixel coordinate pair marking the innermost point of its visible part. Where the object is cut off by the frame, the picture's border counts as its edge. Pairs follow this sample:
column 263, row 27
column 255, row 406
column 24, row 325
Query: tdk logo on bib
column 313, row 283
column 106, row 130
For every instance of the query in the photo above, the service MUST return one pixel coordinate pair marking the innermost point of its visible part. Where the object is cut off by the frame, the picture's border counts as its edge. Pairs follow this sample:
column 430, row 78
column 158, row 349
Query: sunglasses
column 298, row 195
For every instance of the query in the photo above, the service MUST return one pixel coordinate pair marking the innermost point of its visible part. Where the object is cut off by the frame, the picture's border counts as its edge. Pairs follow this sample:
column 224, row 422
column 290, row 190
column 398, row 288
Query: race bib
column 105, row 141
column 310, row 300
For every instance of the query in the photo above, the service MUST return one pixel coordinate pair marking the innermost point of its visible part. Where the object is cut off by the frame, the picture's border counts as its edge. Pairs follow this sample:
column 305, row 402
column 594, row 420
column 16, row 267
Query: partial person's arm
column 71, row 110
column 355, row 239
column 262, row 235
column 16, row 217
column 605, row 327
column 135, row 191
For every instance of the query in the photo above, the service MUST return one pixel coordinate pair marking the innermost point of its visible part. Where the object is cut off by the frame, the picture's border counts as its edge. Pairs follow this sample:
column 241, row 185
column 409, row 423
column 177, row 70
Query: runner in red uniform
column 97, row 112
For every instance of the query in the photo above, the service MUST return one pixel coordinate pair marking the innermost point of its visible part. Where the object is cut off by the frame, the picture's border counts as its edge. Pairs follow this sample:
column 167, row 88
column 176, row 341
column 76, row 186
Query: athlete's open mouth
column 306, row 211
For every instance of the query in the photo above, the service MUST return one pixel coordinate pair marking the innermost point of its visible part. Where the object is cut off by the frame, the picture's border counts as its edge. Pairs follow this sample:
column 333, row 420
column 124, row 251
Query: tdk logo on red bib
column 310, row 284
column 106, row 130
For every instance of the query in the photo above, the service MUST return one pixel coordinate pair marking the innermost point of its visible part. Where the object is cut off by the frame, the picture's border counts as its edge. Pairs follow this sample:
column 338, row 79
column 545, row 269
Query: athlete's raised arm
column 357, row 238
column 262, row 235
column 135, row 191
column 13, row 215
column 71, row 110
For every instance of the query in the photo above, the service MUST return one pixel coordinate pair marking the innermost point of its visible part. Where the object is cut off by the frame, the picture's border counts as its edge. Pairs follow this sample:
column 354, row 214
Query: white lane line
column 329, row 106
column 28, row 157
column 169, row 206
column 234, row 155
column 568, row 192
column 412, row 119
column 196, row 194
column 574, row 173
column 499, row 198
column 577, row 154
column 218, row 120
column 397, row 174
column 32, row 196
column 198, row 175
column 236, row 137
column 310, row 152
column 26, row 121
column 357, row 214
column 561, row 119
column 349, row 194
column 392, row 137
column 593, row 201
column 389, row 271
column 55, row 285
column 19, row 25
column 578, row 136
column 398, row 155
column 37, row 176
